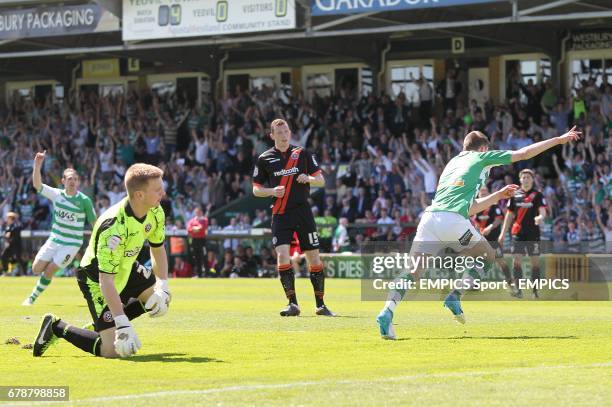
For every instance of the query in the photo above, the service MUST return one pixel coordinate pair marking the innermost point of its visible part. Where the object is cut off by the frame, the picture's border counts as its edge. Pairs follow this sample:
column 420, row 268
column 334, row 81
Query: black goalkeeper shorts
column 102, row 317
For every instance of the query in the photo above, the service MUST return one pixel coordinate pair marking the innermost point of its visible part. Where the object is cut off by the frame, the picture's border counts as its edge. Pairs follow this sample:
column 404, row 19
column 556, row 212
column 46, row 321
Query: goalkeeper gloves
column 126, row 340
column 157, row 304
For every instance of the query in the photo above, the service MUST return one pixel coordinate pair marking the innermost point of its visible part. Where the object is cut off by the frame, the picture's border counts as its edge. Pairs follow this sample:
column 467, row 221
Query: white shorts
column 56, row 253
column 441, row 230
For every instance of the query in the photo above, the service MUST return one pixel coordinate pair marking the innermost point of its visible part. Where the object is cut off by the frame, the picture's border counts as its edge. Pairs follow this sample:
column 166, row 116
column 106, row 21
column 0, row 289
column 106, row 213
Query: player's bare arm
column 531, row 151
column 262, row 192
column 480, row 204
column 36, row 177
column 315, row 181
column 159, row 260
column 492, row 226
column 107, row 286
column 507, row 221
column 157, row 303
column 541, row 216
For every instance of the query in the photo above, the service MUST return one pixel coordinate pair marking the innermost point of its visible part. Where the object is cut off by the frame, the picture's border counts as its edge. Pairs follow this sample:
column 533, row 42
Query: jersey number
column 313, row 238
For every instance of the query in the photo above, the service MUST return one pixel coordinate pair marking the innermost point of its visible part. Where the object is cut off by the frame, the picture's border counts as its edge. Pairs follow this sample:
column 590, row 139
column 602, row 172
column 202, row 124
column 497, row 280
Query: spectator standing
column 197, row 228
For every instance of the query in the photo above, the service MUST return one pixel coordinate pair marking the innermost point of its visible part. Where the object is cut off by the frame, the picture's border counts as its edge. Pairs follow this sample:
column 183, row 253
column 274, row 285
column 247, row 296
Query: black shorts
column 102, row 317
column 525, row 247
column 299, row 220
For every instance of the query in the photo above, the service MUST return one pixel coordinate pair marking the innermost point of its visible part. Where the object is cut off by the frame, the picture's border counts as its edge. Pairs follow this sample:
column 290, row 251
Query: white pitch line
column 252, row 387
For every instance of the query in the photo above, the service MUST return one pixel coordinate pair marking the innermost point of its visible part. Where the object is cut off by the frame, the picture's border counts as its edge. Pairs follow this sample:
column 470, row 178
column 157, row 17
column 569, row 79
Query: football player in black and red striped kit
column 526, row 210
column 286, row 172
column 489, row 222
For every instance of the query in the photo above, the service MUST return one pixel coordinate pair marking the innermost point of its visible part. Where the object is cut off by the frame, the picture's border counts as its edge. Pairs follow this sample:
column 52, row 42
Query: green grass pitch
column 223, row 343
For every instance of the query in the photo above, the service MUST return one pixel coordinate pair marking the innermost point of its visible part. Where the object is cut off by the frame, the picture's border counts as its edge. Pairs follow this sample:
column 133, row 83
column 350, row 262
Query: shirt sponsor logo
column 65, row 215
column 458, row 183
column 284, row 173
column 524, row 204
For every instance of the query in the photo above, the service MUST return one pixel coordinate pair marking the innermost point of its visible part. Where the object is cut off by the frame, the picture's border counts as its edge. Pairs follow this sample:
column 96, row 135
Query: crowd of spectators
column 381, row 158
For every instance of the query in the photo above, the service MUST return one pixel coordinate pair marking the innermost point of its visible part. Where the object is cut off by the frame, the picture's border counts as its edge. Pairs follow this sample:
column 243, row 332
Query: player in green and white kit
column 116, row 288
column 446, row 224
column 71, row 209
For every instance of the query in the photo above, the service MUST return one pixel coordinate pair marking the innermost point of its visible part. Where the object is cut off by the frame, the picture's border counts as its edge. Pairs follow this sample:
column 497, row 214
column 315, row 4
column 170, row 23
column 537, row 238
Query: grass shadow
column 172, row 357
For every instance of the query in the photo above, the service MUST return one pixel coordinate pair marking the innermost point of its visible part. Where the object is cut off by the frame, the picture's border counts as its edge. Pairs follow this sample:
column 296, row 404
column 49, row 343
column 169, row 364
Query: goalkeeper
column 117, row 289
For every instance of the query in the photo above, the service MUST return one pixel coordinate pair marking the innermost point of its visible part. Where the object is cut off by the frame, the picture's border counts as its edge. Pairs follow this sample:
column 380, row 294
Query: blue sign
column 331, row 7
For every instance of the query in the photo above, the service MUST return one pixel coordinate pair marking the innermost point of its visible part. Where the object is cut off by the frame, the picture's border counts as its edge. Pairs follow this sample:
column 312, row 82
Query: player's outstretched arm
column 531, row 151
column 480, row 204
column 36, row 177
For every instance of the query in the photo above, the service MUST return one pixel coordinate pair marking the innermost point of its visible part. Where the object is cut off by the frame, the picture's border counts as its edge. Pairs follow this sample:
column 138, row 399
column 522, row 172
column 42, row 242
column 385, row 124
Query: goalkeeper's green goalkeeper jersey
column 117, row 238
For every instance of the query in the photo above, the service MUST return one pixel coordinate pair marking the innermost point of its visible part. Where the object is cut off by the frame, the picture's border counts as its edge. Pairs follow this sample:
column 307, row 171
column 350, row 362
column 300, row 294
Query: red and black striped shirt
column 274, row 168
column 526, row 206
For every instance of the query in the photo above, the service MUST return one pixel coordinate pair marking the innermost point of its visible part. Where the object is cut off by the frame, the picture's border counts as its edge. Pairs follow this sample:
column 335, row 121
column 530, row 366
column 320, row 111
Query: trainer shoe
column 45, row 337
column 453, row 303
column 385, row 324
column 323, row 310
column 536, row 294
column 27, row 302
column 292, row 310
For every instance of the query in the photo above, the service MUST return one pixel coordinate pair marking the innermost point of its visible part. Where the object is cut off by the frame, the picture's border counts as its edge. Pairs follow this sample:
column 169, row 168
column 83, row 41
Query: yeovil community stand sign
column 330, row 7
column 149, row 19
column 49, row 21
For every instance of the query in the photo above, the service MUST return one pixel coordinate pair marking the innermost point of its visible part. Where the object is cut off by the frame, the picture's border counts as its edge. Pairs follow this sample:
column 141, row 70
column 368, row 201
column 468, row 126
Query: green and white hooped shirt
column 69, row 215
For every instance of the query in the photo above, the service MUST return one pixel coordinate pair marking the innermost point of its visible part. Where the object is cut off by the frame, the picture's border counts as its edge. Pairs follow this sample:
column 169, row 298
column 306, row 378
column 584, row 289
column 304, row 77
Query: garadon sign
column 330, row 7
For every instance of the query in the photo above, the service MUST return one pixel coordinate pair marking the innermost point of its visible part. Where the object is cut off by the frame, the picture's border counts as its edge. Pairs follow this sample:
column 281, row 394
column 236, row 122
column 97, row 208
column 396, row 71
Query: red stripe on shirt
column 284, row 181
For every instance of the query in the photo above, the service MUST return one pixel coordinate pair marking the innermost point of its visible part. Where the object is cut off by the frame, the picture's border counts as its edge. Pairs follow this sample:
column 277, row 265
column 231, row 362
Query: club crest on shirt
column 294, row 156
column 148, row 227
column 107, row 317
